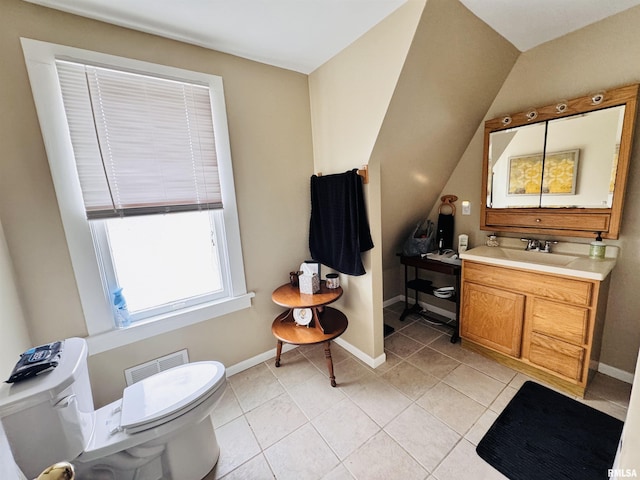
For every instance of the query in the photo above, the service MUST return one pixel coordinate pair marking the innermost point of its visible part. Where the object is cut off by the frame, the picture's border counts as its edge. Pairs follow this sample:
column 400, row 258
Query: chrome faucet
column 534, row 245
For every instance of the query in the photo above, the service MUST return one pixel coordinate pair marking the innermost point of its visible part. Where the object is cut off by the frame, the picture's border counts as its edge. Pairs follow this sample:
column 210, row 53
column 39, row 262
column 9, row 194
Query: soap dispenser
column 597, row 247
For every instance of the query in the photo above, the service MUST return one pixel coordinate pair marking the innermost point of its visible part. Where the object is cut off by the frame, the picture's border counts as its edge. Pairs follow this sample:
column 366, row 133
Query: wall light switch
column 466, row 207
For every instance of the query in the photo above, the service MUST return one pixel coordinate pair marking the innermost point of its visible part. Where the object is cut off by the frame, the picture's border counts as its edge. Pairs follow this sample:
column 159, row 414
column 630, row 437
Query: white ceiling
column 529, row 23
column 301, row 35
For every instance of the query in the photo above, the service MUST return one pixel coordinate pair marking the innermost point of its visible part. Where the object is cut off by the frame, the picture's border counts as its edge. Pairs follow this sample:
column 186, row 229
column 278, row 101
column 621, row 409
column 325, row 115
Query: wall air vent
column 144, row 370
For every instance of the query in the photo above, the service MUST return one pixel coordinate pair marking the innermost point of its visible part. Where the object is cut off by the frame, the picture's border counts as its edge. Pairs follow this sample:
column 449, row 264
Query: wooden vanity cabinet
column 547, row 326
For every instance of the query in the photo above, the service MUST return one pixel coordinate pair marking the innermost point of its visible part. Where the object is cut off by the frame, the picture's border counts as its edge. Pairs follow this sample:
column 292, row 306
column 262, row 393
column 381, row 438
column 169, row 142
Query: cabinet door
column 492, row 317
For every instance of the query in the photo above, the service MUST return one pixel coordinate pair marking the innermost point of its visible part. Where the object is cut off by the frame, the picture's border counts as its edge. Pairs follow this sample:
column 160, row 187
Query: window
column 163, row 262
column 140, row 159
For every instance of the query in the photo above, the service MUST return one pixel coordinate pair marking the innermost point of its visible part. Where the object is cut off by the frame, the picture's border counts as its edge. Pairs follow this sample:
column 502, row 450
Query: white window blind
column 142, row 144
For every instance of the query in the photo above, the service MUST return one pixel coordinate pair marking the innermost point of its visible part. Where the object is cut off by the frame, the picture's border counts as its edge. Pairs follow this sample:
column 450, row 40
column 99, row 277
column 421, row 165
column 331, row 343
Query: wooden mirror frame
column 571, row 222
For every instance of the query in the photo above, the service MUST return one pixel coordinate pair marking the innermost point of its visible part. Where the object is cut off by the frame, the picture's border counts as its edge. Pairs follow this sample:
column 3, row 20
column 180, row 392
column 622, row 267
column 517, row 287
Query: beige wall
column 455, row 67
column 413, row 122
column 15, row 338
column 270, row 131
column 349, row 98
column 594, row 58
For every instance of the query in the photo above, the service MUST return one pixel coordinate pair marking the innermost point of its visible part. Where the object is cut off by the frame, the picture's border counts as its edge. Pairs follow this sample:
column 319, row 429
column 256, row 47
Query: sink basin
column 538, row 257
column 580, row 266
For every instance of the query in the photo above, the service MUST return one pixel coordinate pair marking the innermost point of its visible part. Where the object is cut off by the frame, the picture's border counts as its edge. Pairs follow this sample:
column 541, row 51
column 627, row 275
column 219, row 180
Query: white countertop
column 572, row 263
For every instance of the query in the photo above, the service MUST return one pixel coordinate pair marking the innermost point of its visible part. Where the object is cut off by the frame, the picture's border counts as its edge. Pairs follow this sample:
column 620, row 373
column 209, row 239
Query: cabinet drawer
column 556, row 355
column 564, row 289
column 545, row 219
column 566, row 322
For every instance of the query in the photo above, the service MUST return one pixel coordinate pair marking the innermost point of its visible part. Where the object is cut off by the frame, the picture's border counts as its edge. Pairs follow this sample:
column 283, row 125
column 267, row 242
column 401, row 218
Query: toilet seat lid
column 165, row 393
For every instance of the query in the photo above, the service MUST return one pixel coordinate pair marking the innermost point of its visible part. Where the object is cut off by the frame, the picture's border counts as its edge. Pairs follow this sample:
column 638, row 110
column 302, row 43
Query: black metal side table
column 419, row 285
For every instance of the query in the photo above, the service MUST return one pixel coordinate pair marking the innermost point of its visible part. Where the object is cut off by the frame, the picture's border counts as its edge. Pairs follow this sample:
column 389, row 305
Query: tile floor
column 418, row 416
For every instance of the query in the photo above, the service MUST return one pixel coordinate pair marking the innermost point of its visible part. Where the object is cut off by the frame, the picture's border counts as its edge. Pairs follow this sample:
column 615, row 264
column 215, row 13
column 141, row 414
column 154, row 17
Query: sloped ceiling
column 527, row 24
column 298, row 35
column 301, row 35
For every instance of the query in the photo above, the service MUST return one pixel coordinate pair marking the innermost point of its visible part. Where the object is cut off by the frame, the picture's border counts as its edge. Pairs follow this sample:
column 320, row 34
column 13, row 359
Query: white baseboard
column 360, row 355
column 614, row 372
column 268, row 355
column 258, row 359
column 356, row 352
column 440, row 311
column 391, row 301
column 425, row 305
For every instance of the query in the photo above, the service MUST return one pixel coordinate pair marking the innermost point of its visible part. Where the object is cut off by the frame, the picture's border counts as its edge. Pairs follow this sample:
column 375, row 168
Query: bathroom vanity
column 560, row 169
column 539, row 313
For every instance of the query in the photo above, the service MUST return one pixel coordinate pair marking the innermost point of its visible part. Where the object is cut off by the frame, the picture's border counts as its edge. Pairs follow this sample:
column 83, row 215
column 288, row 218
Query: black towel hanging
column 339, row 227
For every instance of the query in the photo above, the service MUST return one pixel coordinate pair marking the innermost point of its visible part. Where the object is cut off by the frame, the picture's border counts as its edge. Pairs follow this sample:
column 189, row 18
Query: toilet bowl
column 160, row 429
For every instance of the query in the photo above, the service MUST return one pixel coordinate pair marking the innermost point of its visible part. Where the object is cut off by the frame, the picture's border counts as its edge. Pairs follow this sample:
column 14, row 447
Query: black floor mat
column 543, row 434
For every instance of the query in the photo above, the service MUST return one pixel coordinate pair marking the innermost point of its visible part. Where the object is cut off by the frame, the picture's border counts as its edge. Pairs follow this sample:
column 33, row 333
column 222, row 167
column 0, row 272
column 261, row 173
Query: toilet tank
column 49, row 418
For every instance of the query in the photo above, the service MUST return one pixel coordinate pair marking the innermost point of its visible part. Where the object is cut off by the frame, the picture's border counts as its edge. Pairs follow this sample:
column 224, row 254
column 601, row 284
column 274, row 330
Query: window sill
column 165, row 323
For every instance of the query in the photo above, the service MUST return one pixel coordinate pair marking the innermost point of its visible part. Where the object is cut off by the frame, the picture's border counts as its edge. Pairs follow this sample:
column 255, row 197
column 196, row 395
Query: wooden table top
column 290, row 297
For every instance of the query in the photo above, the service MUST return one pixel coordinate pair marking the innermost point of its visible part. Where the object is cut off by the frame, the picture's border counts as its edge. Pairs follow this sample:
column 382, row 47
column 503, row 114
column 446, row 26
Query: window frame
column 103, row 335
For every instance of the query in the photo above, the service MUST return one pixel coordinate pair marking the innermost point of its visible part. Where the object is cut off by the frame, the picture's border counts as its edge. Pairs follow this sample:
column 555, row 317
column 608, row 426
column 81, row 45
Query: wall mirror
column 560, row 169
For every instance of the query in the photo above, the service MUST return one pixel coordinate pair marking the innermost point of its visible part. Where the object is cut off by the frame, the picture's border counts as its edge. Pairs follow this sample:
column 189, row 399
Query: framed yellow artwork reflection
column 526, row 175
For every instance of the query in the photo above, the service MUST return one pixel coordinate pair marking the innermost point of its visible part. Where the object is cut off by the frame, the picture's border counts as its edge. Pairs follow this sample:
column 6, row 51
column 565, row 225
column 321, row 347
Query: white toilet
column 161, row 429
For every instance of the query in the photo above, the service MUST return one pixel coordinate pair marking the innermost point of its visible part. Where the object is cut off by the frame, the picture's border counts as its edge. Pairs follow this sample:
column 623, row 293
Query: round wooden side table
column 327, row 323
